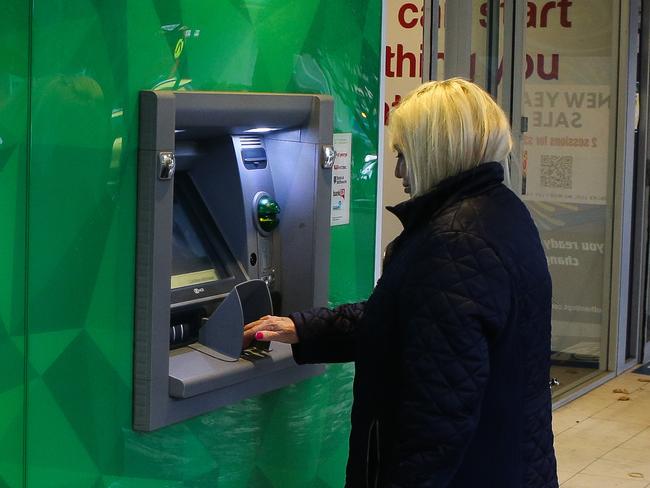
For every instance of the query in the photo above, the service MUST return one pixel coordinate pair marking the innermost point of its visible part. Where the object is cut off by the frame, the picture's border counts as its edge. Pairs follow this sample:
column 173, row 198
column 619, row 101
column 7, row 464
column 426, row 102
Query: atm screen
column 192, row 263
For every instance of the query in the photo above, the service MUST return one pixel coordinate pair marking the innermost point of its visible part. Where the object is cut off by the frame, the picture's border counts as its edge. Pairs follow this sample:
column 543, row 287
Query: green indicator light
column 267, row 213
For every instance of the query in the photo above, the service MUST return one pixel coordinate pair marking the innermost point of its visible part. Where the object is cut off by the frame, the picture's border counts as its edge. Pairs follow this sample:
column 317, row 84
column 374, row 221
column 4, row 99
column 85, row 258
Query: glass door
column 557, row 70
column 570, row 102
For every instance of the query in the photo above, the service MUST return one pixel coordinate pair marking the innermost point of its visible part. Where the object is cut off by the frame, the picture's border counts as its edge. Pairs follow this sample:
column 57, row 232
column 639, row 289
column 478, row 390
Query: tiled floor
column 602, row 440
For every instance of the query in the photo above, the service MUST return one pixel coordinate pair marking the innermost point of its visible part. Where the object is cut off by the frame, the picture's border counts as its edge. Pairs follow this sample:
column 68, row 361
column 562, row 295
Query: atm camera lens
column 253, row 259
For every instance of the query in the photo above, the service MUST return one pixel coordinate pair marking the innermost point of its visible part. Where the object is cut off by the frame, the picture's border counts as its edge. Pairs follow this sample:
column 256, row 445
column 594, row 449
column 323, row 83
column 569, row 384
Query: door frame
column 638, row 342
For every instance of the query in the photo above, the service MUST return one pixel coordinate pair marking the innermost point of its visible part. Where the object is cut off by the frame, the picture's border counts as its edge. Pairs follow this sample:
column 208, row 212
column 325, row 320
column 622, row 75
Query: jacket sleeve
column 327, row 335
column 454, row 302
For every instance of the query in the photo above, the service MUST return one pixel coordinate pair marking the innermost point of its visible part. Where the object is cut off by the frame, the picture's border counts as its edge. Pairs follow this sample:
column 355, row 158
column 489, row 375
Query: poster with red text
column 403, row 72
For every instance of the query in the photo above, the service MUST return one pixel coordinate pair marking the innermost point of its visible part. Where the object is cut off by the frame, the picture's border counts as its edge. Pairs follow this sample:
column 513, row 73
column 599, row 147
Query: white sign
column 341, row 179
column 565, row 157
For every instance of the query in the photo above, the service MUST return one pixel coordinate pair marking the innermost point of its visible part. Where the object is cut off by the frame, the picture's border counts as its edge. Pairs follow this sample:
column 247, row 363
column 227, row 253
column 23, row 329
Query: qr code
column 557, row 171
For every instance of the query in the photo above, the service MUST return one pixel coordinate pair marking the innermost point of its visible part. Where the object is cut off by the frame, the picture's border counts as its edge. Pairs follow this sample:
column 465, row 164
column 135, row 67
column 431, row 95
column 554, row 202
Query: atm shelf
column 193, row 372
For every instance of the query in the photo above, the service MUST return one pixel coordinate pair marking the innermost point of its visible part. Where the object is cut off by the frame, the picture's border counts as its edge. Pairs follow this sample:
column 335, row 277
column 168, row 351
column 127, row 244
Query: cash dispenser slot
column 232, row 226
column 217, row 359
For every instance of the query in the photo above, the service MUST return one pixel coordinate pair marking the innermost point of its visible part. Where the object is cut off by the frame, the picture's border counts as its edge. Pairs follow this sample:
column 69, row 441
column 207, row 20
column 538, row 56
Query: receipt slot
column 233, row 224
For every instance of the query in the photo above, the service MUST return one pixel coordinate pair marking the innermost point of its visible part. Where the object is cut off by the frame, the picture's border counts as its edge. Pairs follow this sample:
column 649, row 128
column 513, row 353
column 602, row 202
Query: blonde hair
column 446, row 127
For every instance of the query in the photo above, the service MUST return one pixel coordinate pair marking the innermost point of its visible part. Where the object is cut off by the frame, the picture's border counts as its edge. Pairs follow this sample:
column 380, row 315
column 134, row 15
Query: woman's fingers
column 260, row 326
column 271, row 328
column 262, row 335
column 267, row 319
column 255, row 323
column 263, row 328
column 268, row 335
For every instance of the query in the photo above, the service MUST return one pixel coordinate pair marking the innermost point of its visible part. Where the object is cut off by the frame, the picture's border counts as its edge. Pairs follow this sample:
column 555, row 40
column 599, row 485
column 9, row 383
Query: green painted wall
column 14, row 83
column 89, row 60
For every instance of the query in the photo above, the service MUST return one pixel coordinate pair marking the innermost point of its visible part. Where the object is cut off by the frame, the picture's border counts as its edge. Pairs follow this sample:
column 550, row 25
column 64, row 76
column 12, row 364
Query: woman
column 452, row 349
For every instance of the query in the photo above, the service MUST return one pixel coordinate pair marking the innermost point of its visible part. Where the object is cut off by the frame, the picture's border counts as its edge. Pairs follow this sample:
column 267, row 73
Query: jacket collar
column 468, row 183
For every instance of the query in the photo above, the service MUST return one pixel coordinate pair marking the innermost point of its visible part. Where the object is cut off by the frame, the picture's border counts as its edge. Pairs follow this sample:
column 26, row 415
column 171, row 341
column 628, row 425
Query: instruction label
column 341, row 179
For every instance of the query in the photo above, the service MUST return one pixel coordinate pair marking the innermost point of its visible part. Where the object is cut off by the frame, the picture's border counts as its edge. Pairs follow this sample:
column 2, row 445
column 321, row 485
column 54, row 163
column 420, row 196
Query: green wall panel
column 14, row 107
column 89, row 60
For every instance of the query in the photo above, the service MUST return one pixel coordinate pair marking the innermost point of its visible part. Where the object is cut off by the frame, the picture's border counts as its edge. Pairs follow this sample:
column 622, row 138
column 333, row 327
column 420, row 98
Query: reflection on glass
column 565, row 160
column 565, row 165
column 480, row 59
column 191, row 264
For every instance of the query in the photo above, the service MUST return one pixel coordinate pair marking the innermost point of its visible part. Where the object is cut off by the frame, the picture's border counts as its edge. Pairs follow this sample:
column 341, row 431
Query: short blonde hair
column 446, row 127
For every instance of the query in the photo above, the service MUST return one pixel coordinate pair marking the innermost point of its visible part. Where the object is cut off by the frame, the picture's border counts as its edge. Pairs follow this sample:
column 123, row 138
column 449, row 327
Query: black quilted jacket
column 452, row 349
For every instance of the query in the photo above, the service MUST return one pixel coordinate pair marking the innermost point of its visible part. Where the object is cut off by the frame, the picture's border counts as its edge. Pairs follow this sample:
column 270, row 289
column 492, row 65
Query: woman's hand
column 271, row 328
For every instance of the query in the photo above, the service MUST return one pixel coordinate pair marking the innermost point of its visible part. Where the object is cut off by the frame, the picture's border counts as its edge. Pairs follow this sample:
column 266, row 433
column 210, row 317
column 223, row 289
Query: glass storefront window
column 565, row 159
column 569, row 95
column 557, row 74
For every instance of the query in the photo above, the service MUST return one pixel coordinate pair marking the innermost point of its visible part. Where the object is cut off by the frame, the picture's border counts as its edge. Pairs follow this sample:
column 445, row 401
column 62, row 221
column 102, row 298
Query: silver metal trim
column 616, row 279
column 625, row 128
column 198, row 300
column 328, row 156
column 430, row 40
column 514, row 22
column 492, row 48
column 608, row 353
column 640, row 270
column 167, row 165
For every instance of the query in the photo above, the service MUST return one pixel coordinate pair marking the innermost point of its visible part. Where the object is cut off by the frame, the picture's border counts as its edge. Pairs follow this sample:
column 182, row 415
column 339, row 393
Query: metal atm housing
column 233, row 223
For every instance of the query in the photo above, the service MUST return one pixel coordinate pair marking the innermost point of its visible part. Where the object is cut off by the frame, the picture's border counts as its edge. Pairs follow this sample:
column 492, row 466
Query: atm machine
column 233, row 224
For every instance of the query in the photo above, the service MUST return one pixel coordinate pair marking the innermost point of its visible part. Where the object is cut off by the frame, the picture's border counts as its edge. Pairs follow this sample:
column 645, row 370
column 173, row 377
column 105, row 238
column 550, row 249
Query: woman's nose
column 399, row 168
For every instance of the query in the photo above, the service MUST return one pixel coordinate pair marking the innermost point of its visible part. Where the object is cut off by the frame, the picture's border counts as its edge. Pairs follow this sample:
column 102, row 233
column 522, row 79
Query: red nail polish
column 259, row 335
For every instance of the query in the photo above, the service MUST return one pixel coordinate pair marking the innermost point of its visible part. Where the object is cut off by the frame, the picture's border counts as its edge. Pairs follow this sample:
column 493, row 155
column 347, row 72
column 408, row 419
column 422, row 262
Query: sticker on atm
column 195, row 278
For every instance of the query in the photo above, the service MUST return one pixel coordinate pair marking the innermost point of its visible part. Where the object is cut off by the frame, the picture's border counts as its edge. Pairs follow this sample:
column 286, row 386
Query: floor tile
column 639, row 441
column 581, row 409
column 622, row 463
column 563, row 476
column 563, row 423
column 589, row 481
column 575, row 455
column 635, row 410
column 602, row 442
column 599, row 433
column 626, row 381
